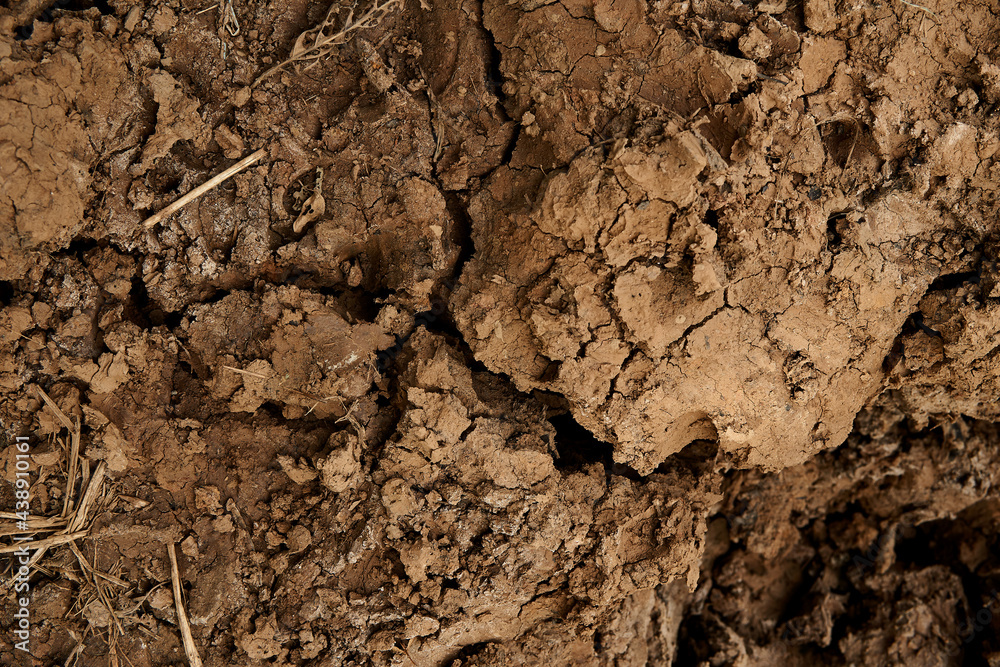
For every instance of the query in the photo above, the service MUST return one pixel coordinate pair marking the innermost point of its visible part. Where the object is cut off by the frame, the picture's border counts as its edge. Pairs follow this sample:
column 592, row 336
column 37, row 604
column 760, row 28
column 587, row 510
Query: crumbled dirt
column 544, row 332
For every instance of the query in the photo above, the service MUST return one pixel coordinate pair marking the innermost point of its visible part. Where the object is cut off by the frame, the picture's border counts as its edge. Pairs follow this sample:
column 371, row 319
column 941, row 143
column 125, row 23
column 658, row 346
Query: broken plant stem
column 228, row 20
column 213, row 182
column 47, row 543
column 93, row 490
column 182, row 619
column 74, row 449
column 60, row 415
column 315, row 43
column 74, row 465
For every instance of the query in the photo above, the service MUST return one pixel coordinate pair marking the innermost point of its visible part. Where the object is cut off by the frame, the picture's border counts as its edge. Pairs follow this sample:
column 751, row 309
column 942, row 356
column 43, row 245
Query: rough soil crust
column 556, row 332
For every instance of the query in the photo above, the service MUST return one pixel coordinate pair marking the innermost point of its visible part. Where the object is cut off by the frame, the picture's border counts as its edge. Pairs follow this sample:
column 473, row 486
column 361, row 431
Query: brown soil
column 546, row 332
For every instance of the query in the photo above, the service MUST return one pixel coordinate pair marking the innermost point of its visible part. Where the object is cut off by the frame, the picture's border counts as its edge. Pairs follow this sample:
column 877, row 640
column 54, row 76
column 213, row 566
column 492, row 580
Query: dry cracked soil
column 541, row 332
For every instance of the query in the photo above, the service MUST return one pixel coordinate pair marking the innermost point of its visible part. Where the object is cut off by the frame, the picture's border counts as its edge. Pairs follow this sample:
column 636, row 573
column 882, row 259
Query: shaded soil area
column 555, row 332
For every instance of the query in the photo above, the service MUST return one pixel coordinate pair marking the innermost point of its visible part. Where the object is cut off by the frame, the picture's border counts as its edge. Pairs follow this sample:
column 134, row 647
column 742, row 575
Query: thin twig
column 73, row 654
column 92, row 570
column 243, row 372
column 154, row 219
column 182, row 620
column 90, row 573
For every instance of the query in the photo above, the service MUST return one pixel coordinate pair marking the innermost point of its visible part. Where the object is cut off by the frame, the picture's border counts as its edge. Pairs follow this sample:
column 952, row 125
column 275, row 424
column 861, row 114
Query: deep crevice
column 363, row 305
column 494, row 73
column 834, row 239
column 80, row 245
column 954, row 280
column 508, row 153
column 913, row 324
column 217, row 296
column 436, row 320
column 145, row 313
column 462, row 238
column 46, row 16
column 470, row 651
column 7, row 292
column 495, row 82
column 697, row 458
column 138, row 302
column 712, row 219
column 576, row 447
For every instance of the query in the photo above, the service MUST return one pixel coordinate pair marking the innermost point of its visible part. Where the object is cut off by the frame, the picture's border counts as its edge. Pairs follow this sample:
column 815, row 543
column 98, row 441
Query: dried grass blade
column 91, row 494
column 74, row 463
column 46, row 543
column 55, row 408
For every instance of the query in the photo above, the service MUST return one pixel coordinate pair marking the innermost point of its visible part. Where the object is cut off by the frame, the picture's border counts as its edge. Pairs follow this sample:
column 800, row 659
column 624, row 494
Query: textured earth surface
column 555, row 332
